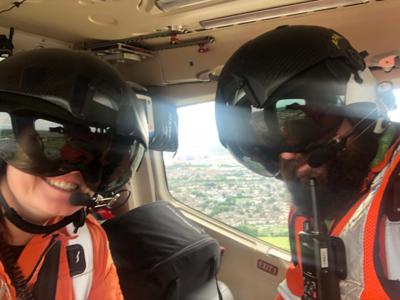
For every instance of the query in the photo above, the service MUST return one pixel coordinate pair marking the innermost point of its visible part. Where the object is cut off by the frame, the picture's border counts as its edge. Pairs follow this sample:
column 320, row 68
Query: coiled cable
column 9, row 261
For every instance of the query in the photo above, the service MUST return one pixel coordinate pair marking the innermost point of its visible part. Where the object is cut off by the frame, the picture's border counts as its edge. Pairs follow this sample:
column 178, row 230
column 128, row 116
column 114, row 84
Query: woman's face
column 39, row 198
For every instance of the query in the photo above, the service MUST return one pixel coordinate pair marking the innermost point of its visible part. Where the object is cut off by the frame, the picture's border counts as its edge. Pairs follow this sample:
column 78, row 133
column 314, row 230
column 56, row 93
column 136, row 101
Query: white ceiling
column 116, row 19
column 373, row 26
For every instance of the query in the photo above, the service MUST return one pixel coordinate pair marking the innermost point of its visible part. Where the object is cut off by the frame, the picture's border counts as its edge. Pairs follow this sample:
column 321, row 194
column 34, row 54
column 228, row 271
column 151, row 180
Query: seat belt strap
column 80, row 259
column 45, row 287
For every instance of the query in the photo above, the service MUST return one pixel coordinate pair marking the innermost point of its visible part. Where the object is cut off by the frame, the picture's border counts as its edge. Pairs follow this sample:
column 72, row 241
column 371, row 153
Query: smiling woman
column 59, row 142
column 38, row 199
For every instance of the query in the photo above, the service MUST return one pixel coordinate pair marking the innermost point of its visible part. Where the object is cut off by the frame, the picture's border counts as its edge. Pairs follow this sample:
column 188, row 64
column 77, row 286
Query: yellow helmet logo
column 335, row 40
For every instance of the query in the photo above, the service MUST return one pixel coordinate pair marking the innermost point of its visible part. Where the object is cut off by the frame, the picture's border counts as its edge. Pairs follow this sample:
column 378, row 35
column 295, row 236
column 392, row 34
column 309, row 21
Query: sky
column 395, row 115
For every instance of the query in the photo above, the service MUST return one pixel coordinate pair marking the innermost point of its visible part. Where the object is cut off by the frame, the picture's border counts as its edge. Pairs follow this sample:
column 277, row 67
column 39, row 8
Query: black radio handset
column 321, row 274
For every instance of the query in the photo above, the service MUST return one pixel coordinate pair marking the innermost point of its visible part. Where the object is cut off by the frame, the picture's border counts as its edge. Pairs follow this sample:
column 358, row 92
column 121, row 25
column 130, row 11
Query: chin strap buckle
column 80, row 218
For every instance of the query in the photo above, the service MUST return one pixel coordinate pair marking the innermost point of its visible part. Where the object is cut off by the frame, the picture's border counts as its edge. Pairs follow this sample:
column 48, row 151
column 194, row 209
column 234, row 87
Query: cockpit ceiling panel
column 73, row 20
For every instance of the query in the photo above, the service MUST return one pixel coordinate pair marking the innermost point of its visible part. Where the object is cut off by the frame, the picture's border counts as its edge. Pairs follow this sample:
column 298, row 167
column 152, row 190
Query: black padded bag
column 159, row 253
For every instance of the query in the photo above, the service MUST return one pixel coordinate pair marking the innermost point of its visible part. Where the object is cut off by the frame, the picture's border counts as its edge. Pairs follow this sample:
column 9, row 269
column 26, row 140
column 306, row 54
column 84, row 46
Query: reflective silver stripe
column 285, row 293
column 353, row 238
column 392, row 247
column 83, row 282
column 4, row 291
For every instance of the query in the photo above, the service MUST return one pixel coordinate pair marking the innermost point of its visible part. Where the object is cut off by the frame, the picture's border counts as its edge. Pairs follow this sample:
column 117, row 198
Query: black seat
column 161, row 255
column 208, row 291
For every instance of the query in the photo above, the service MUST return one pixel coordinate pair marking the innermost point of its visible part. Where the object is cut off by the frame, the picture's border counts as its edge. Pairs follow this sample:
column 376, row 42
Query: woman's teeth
column 62, row 185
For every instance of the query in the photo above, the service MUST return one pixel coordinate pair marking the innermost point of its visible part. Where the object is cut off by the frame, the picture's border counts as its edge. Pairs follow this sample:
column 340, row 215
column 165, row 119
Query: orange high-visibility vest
column 364, row 230
column 99, row 281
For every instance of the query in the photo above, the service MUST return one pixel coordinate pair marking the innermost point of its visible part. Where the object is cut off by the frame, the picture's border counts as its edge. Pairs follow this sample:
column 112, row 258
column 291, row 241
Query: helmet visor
column 302, row 124
column 257, row 136
column 44, row 145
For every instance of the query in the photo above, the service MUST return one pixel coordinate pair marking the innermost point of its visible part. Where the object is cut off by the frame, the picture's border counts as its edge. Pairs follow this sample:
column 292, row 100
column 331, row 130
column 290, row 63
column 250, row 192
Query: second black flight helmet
column 307, row 63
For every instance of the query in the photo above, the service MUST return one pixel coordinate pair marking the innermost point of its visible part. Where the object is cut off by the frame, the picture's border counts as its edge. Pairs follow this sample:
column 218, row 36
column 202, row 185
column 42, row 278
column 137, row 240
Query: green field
column 279, row 241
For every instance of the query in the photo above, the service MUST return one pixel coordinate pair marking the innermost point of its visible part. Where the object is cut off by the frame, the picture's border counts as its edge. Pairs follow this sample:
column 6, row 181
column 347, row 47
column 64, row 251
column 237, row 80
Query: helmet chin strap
column 78, row 219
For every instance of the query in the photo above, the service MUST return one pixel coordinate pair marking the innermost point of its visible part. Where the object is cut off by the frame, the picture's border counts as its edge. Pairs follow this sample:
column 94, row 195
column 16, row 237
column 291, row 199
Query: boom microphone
column 326, row 151
column 81, row 199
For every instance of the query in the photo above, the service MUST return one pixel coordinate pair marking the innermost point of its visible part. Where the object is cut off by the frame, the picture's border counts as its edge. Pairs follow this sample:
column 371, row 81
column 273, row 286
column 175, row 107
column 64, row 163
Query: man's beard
column 338, row 184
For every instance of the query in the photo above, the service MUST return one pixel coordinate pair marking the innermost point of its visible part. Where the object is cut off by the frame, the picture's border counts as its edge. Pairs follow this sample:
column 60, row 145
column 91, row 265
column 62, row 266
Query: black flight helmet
column 272, row 87
column 63, row 111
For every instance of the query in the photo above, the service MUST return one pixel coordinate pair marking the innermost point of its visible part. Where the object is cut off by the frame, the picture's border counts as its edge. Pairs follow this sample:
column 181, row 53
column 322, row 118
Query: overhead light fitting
column 121, row 52
column 171, row 5
column 276, row 12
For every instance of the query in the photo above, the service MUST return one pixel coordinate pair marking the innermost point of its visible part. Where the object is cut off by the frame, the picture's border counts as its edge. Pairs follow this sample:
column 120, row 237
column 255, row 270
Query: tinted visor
column 303, row 125
column 257, row 136
column 44, row 145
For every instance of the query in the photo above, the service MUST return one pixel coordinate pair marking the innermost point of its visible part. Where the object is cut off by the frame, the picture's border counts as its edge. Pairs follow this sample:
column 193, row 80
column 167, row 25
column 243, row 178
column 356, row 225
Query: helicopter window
column 205, row 176
column 394, row 115
column 5, row 126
